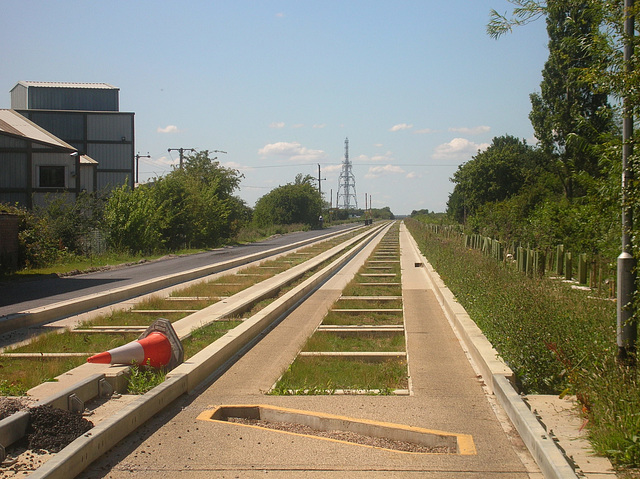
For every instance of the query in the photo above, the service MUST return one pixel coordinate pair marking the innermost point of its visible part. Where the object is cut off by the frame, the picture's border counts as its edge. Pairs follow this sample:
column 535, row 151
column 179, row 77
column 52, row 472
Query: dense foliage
column 56, row 229
column 192, row 206
column 556, row 339
column 297, row 202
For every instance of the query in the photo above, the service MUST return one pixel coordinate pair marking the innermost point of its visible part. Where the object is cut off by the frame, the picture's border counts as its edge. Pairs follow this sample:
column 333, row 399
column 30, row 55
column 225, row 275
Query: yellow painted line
column 465, row 443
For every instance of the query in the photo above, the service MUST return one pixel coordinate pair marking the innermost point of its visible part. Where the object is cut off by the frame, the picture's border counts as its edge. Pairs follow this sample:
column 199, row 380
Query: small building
column 34, row 163
column 87, row 117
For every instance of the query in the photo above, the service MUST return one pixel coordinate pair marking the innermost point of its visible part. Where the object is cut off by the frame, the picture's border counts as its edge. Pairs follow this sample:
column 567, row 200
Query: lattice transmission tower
column 347, row 198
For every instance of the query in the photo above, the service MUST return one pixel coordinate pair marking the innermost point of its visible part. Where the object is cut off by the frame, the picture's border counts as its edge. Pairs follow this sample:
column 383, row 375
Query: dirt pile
column 52, row 429
column 8, row 406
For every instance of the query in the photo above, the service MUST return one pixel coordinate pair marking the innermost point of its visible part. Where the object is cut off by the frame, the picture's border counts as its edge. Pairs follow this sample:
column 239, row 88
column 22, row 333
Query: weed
column 143, row 378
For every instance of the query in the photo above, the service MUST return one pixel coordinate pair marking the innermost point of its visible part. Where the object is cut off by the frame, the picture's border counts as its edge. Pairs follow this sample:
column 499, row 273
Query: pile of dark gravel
column 52, row 429
column 8, row 406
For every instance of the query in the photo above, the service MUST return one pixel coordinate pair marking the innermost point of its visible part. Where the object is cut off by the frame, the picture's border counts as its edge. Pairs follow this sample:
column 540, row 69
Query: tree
column 191, row 206
column 492, row 175
column 297, row 202
column 569, row 115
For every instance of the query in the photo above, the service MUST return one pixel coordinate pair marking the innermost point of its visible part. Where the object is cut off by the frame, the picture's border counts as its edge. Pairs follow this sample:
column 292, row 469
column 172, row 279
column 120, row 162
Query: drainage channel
column 221, row 351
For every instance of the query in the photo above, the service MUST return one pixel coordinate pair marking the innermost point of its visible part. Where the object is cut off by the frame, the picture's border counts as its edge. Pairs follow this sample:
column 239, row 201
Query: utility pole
column 627, row 332
column 138, row 156
column 320, row 180
column 181, row 150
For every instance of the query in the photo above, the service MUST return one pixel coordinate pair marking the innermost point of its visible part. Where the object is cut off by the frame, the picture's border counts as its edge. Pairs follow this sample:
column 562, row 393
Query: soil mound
column 52, row 429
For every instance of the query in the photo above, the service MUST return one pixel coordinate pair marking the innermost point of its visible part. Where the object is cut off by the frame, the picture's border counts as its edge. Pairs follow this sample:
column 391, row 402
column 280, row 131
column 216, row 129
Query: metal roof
column 16, row 125
column 87, row 160
column 46, row 84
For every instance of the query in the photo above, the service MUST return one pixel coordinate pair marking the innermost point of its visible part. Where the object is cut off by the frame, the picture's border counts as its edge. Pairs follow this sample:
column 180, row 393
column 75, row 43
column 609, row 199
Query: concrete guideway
column 446, row 395
column 83, row 383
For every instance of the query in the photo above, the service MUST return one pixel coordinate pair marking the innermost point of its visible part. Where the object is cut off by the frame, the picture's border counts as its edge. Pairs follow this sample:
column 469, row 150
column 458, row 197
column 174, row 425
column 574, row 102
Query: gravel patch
column 346, row 436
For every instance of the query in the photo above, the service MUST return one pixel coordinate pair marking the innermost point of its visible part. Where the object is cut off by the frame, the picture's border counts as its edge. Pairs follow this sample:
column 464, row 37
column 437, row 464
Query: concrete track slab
column 447, row 395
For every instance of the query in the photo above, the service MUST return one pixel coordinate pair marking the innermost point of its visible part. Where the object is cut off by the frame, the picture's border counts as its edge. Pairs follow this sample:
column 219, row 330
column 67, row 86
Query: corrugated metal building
column 87, row 116
column 28, row 95
column 34, row 163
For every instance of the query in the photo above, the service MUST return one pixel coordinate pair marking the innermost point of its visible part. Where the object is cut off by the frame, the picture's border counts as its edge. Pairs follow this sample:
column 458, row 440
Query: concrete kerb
column 62, row 309
column 549, row 458
column 499, row 380
column 84, row 450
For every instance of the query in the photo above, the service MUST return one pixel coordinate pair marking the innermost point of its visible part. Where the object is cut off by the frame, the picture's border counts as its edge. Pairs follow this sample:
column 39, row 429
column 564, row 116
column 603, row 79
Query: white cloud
column 320, row 125
column 411, row 175
column 331, row 168
column 458, row 149
column 168, row 129
column 292, row 151
column 298, row 125
column 476, row 130
column 387, row 157
column 277, row 124
column 378, row 171
column 424, row 131
column 400, row 126
column 280, row 15
column 378, row 145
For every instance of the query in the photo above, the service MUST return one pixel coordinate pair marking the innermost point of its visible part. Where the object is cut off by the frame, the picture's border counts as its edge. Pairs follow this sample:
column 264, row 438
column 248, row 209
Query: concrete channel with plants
column 360, row 347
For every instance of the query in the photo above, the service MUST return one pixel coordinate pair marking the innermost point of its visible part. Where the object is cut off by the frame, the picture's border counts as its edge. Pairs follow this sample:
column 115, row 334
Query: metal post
column 626, row 326
column 138, row 156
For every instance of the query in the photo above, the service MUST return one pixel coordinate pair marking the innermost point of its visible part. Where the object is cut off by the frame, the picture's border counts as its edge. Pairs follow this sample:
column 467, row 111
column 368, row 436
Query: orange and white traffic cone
column 158, row 346
column 154, row 350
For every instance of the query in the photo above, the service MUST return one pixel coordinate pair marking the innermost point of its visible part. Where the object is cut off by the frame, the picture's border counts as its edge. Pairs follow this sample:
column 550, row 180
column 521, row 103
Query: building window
column 52, row 177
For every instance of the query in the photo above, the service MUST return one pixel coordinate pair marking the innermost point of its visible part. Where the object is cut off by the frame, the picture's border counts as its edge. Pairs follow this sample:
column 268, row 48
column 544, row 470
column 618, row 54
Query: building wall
column 20, row 162
column 64, row 98
column 107, row 137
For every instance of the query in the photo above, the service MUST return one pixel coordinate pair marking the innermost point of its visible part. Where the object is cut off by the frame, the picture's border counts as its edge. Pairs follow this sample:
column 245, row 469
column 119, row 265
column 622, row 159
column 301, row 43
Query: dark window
column 52, row 177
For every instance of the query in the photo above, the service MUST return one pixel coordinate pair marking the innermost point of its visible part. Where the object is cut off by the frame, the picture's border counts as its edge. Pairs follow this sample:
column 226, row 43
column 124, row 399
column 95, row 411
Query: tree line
column 194, row 206
column 566, row 188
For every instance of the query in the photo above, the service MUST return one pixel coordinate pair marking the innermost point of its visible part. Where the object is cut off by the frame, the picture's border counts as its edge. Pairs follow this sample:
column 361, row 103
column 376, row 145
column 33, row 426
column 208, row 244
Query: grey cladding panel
column 109, row 127
column 13, row 170
column 112, row 156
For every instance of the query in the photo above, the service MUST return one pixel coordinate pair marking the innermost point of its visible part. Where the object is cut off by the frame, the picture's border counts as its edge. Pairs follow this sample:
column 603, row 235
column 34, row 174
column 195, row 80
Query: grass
column 556, row 339
column 16, row 379
column 18, row 376
column 319, row 375
column 322, row 375
column 373, row 342
column 142, row 379
column 68, row 342
column 203, row 337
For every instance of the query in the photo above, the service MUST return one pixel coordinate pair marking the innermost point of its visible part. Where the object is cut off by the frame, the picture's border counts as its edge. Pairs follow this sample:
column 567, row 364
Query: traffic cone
column 158, row 346
column 154, row 350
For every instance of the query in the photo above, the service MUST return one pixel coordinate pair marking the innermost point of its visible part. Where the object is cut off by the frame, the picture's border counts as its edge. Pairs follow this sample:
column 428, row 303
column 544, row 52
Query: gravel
column 345, row 436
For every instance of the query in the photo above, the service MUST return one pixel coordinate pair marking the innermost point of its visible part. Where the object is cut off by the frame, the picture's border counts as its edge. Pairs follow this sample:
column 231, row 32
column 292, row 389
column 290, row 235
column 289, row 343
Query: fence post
column 568, row 273
column 582, row 268
column 560, row 259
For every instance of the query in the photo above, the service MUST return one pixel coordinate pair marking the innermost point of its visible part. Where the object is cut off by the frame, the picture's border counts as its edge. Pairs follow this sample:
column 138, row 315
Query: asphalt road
column 25, row 295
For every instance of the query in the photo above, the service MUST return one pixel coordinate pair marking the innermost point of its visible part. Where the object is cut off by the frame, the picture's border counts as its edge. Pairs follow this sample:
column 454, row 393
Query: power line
column 181, row 150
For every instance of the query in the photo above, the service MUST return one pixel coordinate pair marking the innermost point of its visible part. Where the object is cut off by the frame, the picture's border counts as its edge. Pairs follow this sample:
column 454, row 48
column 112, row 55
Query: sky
column 417, row 86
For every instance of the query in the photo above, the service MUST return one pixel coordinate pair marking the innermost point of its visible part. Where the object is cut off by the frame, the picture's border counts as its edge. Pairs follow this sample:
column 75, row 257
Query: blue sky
column 417, row 86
